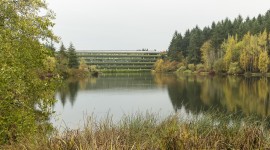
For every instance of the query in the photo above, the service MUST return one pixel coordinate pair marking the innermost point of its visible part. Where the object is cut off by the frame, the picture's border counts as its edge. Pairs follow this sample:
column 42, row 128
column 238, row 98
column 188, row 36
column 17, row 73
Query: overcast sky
column 137, row 24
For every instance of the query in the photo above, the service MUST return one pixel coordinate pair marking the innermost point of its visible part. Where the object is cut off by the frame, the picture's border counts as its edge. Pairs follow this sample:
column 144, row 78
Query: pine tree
column 174, row 48
column 50, row 46
column 195, row 42
column 185, row 43
column 62, row 50
column 73, row 61
column 62, row 61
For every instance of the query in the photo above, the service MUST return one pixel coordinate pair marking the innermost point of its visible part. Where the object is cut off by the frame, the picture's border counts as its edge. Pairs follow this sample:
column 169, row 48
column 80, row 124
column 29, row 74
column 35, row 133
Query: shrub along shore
column 165, row 65
column 211, row 131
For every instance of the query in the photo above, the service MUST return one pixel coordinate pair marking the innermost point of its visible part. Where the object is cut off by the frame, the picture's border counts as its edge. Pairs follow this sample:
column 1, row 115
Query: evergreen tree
column 195, row 42
column 51, row 47
column 206, row 34
column 218, row 35
column 267, row 21
column 62, row 61
column 174, row 46
column 73, row 61
column 62, row 50
column 185, row 43
column 236, row 24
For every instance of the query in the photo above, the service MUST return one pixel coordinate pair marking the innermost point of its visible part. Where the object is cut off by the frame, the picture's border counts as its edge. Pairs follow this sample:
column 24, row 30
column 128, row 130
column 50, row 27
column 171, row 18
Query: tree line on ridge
column 236, row 47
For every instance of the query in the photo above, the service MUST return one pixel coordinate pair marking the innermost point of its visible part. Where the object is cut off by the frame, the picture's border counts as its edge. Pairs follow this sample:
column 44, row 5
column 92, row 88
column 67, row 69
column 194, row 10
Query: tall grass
column 147, row 131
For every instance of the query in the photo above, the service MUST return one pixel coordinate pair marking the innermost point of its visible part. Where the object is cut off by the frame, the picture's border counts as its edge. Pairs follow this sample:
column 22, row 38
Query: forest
column 228, row 46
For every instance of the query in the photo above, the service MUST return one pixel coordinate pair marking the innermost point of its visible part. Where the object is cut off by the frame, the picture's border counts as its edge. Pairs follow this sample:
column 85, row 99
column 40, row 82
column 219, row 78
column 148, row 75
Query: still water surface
column 125, row 94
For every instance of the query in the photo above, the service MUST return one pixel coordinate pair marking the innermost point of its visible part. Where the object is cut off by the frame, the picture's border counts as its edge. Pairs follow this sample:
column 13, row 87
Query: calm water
column 121, row 94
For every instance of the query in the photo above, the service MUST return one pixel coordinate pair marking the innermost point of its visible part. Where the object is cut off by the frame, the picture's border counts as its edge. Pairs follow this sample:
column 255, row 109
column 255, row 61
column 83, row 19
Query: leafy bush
column 187, row 72
column 235, row 68
column 93, row 68
column 181, row 64
column 191, row 67
column 170, row 66
column 158, row 65
column 200, row 67
column 83, row 65
column 78, row 73
column 219, row 66
column 165, row 66
column 181, row 69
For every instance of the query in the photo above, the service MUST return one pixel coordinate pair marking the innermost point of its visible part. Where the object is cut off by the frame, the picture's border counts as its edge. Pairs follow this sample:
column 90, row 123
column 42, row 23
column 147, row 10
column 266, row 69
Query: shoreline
column 148, row 131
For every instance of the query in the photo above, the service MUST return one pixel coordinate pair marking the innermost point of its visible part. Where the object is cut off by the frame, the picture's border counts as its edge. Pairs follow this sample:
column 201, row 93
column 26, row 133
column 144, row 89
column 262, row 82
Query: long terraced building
column 113, row 60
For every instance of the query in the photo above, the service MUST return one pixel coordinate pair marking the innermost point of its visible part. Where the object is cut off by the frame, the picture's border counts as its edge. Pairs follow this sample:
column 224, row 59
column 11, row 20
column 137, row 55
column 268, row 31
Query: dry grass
column 148, row 132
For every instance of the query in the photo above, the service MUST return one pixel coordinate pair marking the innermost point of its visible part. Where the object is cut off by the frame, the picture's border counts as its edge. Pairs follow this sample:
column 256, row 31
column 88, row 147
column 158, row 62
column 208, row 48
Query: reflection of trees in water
column 69, row 89
column 196, row 93
column 73, row 89
column 232, row 94
column 188, row 91
column 134, row 81
column 63, row 91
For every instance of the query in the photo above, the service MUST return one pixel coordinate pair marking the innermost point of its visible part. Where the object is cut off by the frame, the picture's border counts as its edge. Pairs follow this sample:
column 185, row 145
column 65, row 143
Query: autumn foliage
column 165, row 65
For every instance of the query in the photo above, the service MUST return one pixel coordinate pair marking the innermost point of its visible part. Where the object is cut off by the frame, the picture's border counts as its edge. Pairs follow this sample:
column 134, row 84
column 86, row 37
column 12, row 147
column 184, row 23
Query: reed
column 148, row 131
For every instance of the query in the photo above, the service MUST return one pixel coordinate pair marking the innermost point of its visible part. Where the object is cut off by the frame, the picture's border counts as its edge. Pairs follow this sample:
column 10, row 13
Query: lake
column 130, row 93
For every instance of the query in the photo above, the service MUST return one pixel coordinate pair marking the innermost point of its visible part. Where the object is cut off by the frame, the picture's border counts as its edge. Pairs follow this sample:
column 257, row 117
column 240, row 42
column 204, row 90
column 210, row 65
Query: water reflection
column 194, row 93
column 69, row 90
column 232, row 94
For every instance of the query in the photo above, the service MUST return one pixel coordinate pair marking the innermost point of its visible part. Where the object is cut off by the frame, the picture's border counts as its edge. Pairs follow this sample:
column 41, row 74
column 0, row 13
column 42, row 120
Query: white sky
column 137, row 24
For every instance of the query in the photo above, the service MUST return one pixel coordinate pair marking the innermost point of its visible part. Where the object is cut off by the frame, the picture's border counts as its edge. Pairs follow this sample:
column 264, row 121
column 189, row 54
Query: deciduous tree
column 229, row 47
column 263, row 62
column 25, row 98
column 208, row 54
